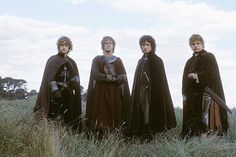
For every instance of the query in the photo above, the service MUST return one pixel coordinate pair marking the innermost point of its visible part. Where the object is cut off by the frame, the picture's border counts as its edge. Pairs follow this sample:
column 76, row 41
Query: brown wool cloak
column 43, row 102
column 107, row 101
column 161, row 110
column 206, row 67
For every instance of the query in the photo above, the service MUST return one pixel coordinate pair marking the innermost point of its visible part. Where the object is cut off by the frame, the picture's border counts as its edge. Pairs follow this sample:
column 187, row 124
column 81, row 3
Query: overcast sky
column 29, row 30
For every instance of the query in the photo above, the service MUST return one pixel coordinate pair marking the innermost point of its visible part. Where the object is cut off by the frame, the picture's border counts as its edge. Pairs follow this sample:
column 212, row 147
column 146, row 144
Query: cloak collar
column 110, row 59
column 203, row 52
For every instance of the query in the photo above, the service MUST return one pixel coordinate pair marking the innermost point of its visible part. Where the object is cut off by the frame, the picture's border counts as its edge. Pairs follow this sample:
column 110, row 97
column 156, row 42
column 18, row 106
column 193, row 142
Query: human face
column 64, row 48
column 108, row 47
column 197, row 46
column 146, row 47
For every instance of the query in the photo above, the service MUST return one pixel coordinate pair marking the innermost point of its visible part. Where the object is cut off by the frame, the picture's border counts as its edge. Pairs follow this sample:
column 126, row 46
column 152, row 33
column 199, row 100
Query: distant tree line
column 11, row 89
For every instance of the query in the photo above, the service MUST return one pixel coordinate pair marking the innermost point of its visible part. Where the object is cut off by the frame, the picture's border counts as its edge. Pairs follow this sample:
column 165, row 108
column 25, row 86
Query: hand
column 110, row 77
column 120, row 78
column 105, row 69
column 193, row 76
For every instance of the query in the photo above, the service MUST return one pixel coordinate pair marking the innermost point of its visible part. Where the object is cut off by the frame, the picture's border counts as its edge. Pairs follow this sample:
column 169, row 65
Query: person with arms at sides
column 59, row 97
column 151, row 110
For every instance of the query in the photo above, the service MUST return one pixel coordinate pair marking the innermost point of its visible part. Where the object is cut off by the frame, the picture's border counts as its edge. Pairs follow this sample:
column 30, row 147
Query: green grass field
column 22, row 136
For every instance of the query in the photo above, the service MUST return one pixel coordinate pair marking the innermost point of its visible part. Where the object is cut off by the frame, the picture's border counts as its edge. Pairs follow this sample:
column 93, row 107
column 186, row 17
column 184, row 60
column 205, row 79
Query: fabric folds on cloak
column 107, row 102
column 208, row 73
column 43, row 101
column 162, row 115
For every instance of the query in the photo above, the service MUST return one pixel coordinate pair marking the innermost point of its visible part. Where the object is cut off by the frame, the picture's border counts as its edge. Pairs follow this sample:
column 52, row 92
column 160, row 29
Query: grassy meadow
column 22, row 136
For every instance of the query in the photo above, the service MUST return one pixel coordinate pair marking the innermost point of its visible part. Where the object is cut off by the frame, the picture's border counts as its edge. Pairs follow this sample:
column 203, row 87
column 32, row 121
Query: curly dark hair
column 149, row 39
column 66, row 40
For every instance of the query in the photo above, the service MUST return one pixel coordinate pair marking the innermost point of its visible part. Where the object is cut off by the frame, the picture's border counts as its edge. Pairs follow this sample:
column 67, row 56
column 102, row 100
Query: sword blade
column 217, row 99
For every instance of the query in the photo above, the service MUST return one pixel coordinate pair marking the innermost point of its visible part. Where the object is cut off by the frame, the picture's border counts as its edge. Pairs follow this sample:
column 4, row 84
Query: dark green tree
column 11, row 88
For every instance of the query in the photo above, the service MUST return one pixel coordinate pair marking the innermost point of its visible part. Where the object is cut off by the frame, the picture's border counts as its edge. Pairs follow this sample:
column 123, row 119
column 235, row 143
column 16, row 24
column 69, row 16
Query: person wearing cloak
column 151, row 110
column 59, row 96
column 108, row 92
column 201, row 114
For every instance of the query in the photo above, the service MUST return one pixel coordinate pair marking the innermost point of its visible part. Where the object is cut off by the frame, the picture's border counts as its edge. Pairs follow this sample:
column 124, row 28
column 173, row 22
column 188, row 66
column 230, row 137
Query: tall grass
column 22, row 136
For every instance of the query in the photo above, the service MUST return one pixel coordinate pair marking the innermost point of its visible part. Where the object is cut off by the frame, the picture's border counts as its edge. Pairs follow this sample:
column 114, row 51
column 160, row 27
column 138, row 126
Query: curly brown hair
column 66, row 40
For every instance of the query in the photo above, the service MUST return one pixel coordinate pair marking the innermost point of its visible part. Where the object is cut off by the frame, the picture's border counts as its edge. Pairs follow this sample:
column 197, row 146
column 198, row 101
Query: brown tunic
column 107, row 101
